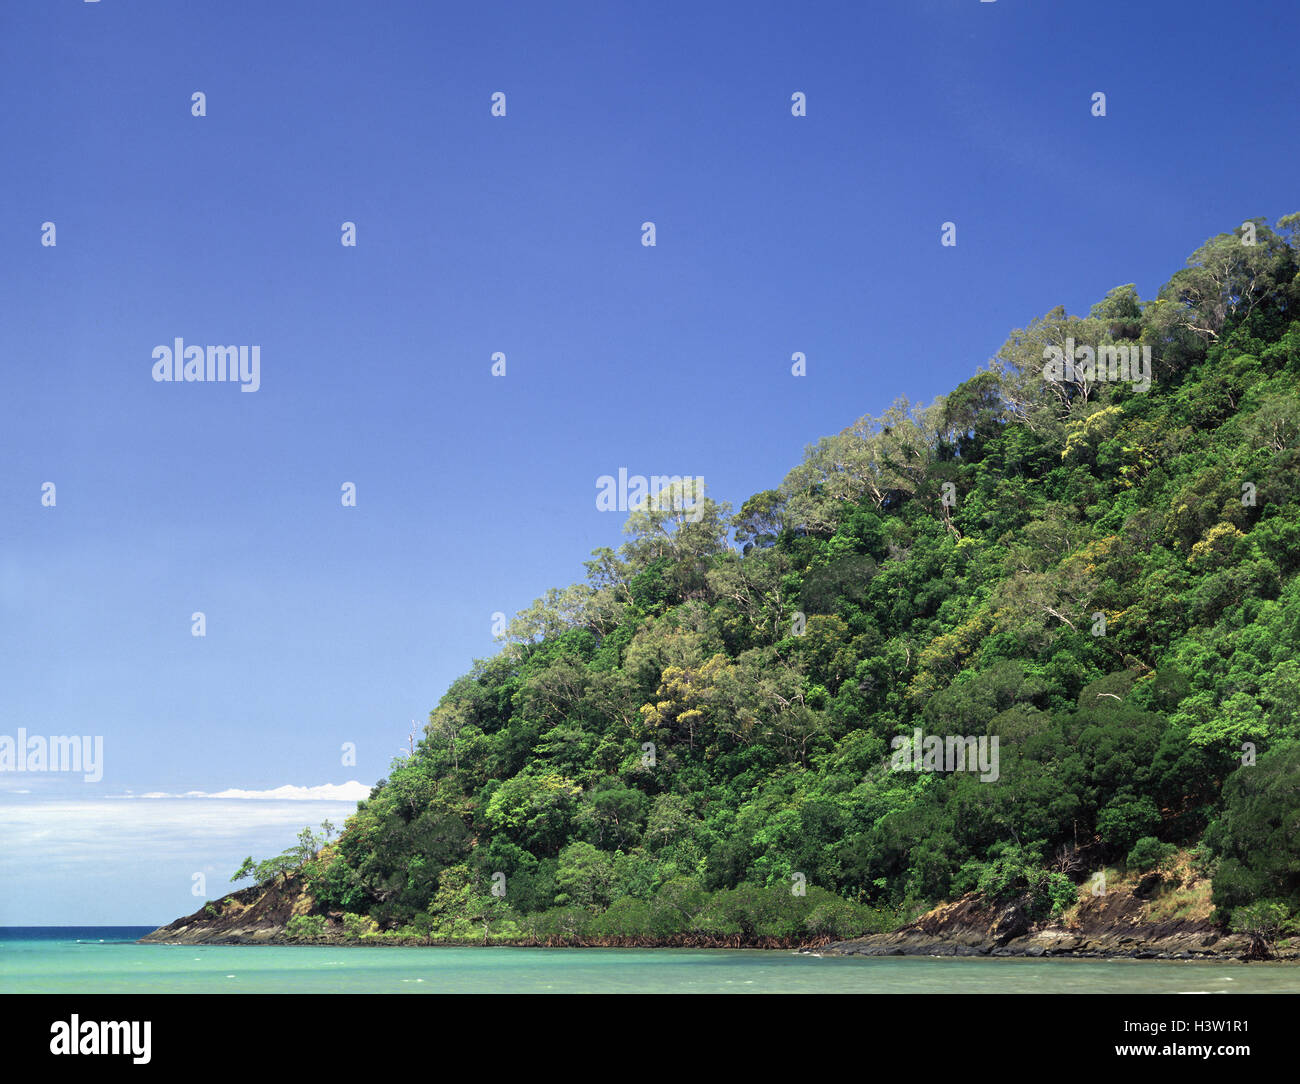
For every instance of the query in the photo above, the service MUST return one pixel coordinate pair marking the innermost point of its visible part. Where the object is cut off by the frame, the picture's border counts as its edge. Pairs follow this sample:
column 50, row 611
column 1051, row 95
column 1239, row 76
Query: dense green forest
column 698, row 740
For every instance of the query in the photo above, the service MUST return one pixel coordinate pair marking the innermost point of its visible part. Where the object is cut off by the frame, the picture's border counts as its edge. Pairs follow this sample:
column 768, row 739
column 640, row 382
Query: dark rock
column 1010, row 922
column 1146, row 888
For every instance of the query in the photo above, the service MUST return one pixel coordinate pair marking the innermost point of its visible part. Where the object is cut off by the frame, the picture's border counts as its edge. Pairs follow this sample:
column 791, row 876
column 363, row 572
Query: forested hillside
column 697, row 740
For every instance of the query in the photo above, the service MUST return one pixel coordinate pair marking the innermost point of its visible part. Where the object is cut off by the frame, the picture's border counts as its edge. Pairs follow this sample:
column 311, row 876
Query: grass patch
column 1189, row 902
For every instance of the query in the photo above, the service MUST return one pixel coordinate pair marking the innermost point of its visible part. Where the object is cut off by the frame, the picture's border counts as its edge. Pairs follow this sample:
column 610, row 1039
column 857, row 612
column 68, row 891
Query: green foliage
column 1262, row 922
column 1126, row 819
column 355, row 926
column 584, row 877
column 1148, row 853
column 1102, row 577
column 306, row 926
column 1254, row 838
column 294, row 859
column 1061, row 892
column 333, row 883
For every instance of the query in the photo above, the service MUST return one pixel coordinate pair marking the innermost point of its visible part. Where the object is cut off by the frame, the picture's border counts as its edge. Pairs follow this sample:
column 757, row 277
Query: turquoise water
column 106, row 960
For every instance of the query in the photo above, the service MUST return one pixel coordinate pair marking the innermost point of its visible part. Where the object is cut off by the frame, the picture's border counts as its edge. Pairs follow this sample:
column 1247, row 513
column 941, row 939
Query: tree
column 308, row 844
column 533, row 810
column 585, row 877
column 1225, row 278
column 557, row 611
column 682, row 528
column 711, row 711
column 760, row 521
column 682, row 702
column 883, row 460
column 445, row 724
column 1043, row 378
column 1256, row 838
column 1261, row 922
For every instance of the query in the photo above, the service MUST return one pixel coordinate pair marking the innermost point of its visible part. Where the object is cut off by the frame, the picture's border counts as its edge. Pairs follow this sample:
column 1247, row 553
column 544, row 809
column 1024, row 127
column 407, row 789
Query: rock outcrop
column 251, row 916
column 1120, row 923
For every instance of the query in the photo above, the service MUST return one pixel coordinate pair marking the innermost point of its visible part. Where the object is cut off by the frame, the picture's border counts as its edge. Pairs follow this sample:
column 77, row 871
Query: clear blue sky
column 477, row 234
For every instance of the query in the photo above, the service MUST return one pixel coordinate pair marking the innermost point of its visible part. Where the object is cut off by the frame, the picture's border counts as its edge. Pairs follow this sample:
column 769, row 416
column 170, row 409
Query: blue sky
column 477, row 234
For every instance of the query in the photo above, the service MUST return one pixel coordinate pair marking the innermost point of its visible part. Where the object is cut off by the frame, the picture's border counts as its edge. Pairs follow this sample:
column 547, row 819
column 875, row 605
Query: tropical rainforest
column 694, row 744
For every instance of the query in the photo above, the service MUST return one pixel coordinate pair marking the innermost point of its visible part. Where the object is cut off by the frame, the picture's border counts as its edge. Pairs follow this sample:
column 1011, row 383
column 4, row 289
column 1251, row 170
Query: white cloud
column 101, row 861
column 88, row 831
column 351, row 791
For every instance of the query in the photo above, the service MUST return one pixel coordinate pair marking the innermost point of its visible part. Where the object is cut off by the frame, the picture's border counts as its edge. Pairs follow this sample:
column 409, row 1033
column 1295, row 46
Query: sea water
column 107, row 959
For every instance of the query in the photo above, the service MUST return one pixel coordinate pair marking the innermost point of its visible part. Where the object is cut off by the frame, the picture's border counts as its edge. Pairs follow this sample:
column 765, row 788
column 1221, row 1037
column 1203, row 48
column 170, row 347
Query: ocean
column 106, row 959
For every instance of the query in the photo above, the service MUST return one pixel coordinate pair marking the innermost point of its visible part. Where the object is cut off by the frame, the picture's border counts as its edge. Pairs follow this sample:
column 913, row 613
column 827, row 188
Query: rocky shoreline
column 1116, row 926
column 1119, row 925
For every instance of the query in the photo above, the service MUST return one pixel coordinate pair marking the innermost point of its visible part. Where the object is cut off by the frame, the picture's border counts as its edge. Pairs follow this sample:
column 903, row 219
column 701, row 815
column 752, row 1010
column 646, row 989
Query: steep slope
column 1048, row 624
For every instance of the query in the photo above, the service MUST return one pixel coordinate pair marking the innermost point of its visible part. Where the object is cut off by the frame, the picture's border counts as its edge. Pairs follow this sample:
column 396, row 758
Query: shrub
column 559, row 923
column 306, row 926
column 1262, row 922
column 1062, row 892
column 626, row 917
column 1127, row 819
column 1148, row 853
column 358, row 926
column 831, row 916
